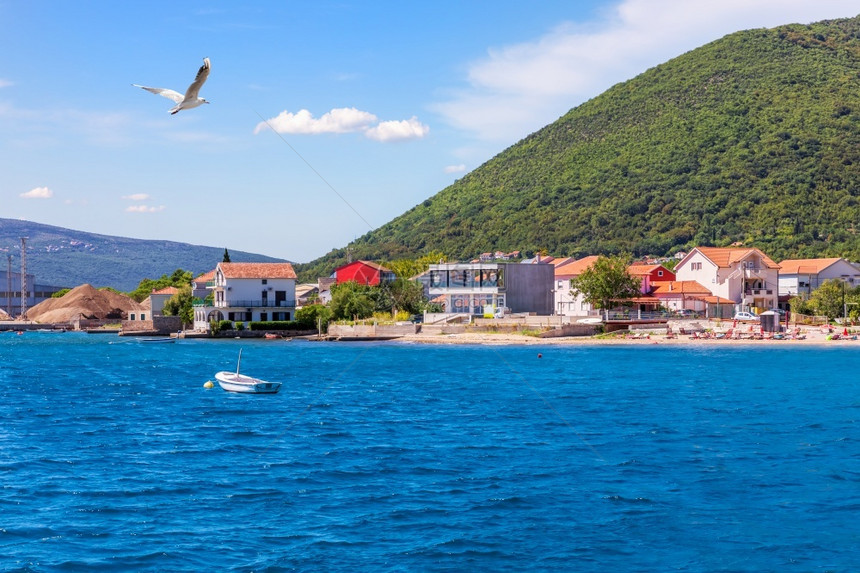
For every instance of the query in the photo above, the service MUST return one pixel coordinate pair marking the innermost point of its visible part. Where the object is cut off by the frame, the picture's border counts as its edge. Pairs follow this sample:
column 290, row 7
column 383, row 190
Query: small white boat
column 235, row 382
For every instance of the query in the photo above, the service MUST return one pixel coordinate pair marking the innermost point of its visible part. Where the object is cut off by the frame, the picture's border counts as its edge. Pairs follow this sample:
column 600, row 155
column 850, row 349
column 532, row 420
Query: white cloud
column 345, row 120
column 144, row 209
column 136, row 197
column 38, row 193
column 340, row 120
column 455, row 168
column 519, row 88
column 398, row 130
column 5, row 83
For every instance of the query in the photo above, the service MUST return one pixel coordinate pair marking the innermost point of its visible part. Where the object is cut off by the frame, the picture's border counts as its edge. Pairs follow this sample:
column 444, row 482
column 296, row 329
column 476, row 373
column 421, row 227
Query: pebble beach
column 806, row 335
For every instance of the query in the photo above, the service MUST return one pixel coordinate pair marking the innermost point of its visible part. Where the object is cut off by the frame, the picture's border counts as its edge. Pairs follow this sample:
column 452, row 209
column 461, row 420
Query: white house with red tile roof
column 568, row 305
column 802, row 276
column 565, row 304
column 245, row 292
column 746, row 276
column 678, row 295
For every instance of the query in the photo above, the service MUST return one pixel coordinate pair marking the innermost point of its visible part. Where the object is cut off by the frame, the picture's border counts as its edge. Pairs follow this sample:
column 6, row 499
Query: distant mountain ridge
column 67, row 258
column 753, row 138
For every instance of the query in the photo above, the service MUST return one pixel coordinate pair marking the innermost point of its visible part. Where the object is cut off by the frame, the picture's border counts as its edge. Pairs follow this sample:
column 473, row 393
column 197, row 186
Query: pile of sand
column 3, row 315
column 84, row 301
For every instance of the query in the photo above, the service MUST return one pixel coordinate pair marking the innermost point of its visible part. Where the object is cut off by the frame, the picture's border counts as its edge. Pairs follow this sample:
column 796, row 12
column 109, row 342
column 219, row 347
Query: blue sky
column 377, row 105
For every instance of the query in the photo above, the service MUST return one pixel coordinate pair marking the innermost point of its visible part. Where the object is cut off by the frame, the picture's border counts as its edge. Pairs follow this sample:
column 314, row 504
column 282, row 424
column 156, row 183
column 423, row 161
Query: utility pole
column 23, row 276
column 9, row 285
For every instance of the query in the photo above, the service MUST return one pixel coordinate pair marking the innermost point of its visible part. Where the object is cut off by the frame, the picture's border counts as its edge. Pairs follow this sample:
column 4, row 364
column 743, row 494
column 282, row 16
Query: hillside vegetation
column 754, row 138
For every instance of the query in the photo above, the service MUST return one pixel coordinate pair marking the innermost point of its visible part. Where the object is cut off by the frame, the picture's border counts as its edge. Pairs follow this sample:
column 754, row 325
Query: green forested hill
column 752, row 138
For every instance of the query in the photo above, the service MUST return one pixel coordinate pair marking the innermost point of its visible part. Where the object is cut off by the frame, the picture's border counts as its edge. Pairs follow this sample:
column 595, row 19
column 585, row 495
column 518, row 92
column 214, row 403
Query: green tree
column 800, row 305
column 350, row 300
column 408, row 268
column 828, row 298
column 406, row 295
column 181, row 305
column 852, row 300
column 178, row 279
column 313, row 316
column 60, row 293
column 226, row 258
column 606, row 282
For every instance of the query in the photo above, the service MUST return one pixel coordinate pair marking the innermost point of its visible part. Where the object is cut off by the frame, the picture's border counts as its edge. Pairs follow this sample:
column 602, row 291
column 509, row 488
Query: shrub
column 310, row 316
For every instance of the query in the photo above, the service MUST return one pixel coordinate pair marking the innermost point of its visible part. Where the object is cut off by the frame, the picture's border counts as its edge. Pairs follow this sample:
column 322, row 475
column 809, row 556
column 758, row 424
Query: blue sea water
column 397, row 457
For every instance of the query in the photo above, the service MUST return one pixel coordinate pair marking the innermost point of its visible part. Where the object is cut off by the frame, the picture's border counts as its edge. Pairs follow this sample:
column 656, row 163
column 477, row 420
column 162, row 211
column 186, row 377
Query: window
column 264, row 317
column 659, row 273
column 131, row 316
column 457, row 278
column 265, row 281
column 438, row 279
column 142, row 316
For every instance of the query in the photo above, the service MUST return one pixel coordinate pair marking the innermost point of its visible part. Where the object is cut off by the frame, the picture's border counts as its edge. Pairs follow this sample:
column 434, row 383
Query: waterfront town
column 707, row 287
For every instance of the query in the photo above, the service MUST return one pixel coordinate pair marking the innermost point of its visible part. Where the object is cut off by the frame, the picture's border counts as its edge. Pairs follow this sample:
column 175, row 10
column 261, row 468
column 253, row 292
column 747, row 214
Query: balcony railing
column 255, row 304
column 758, row 292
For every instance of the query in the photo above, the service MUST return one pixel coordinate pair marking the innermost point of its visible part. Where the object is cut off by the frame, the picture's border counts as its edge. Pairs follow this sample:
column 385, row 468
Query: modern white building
column 484, row 288
column 802, row 276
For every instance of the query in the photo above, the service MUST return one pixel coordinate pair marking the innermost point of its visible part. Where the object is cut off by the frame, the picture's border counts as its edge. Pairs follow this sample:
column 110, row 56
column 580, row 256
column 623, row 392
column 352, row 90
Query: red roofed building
column 564, row 302
column 802, row 276
column 246, row 292
column 681, row 295
column 158, row 297
column 649, row 274
column 363, row 272
column 743, row 275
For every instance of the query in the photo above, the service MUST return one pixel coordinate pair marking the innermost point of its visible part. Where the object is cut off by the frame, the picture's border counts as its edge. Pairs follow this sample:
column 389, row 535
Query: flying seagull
column 190, row 99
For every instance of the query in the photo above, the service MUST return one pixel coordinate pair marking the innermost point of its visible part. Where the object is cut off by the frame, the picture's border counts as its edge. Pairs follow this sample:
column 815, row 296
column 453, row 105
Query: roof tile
column 257, row 270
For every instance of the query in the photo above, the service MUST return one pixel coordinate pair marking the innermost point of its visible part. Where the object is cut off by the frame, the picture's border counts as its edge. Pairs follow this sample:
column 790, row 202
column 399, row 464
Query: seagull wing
column 169, row 94
column 195, row 86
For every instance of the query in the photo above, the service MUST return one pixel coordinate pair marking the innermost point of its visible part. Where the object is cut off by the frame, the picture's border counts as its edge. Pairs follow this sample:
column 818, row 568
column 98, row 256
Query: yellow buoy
column 209, row 384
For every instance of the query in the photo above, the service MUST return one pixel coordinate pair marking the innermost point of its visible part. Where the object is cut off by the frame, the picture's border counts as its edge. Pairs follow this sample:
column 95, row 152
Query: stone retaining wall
column 370, row 331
